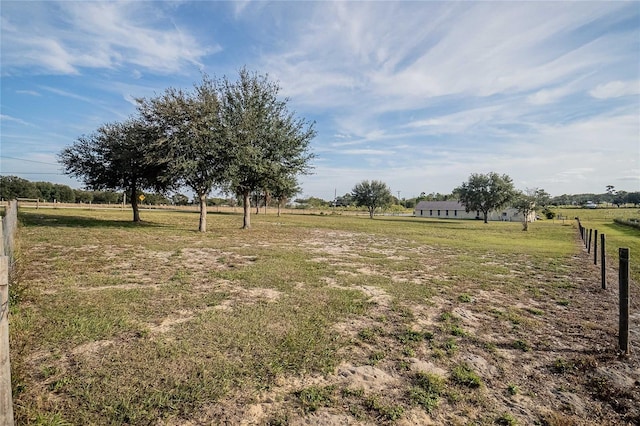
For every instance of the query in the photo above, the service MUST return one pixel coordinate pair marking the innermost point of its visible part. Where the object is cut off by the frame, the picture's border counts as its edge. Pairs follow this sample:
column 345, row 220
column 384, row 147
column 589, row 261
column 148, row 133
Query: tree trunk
column 525, row 222
column 257, row 204
column 134, row 203
column 246, row 221
column 371, row 210
column 202, row 227
column 486, row 217
column 279, row 208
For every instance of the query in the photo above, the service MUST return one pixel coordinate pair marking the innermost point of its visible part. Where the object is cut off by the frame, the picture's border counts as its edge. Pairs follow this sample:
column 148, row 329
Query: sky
column 417, row 94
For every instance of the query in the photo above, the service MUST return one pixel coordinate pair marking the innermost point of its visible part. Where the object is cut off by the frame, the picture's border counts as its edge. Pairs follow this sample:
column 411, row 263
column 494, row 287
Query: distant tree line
column 617, row 198
column 13, row 187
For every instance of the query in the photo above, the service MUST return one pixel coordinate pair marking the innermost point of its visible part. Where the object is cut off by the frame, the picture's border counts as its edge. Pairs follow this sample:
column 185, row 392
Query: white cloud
column 95, row 35
column 28, row 92
column 366, row 152
column 68, row 94
column 547, row 96
column 5, row 117
column 616, row 89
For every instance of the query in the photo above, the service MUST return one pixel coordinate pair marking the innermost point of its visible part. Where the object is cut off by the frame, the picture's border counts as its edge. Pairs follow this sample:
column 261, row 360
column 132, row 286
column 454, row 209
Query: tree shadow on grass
column 35, row 219
column 623, row 229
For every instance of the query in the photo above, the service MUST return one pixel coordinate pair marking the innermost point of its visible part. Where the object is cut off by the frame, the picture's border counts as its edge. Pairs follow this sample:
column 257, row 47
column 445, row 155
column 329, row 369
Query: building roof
column 439, row 205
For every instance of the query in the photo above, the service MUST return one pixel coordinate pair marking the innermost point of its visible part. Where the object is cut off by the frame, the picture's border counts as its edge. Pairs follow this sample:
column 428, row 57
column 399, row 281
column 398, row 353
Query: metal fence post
column 603, row 261
column 624, row 301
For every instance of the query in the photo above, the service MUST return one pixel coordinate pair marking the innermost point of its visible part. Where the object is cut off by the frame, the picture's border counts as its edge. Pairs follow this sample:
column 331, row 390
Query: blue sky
column 416, row 94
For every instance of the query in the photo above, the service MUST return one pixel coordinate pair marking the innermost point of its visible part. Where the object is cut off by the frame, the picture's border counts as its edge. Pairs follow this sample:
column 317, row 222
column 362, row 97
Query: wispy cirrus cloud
column 616, row 89
column 4, row 117
column 95, row 35
column 28, row 92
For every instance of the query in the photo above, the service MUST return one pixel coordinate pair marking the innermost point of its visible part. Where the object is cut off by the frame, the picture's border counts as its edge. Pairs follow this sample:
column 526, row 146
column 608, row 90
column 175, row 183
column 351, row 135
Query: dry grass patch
column 310, row 320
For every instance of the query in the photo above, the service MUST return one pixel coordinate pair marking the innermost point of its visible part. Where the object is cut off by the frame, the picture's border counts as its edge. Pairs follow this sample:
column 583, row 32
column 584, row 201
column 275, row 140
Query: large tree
column 485, row 192
column 266, row 141
column 372, row 195
column 115, row 157
column 191, row 138
column 529, row 201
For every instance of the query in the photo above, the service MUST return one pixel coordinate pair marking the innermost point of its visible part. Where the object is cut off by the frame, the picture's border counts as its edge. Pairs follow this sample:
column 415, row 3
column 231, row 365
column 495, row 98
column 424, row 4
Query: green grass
column 122, row 323
column 617, row 235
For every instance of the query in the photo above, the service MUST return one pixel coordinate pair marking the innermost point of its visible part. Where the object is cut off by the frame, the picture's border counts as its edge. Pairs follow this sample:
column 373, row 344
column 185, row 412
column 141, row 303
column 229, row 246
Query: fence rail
column 8, row 229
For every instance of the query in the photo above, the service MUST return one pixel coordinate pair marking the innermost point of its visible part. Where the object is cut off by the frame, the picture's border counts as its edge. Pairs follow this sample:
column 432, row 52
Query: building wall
column 455, row 210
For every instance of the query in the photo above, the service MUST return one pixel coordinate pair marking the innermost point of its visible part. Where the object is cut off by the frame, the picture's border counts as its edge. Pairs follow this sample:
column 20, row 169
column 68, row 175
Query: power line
column 31, row 173
column 30, row 161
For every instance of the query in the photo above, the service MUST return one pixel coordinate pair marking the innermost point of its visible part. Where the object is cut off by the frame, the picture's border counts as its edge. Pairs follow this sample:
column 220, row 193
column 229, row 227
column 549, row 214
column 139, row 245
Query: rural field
column 321, row 319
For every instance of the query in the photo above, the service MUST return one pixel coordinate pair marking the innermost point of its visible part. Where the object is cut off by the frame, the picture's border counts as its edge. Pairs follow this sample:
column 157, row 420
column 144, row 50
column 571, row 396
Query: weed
column 356, row 411
column 431, row 383
column 59, row 385
column 410, row 336
column 521, row 345
column 421, row 397
column 448, row 316
column 403, row 311
column 280, row 419
column 463, row 375
column 367, row 335
column 48, row 371
column 55, row 419
column 465, row 298
column 513, row 389
column 408, row 351
column 456, row 330
column 390, row 412
column 438, row 353
column 506, row 419
column 376, row 357
column 562, row 366
column 404, row 365
column 450, row 346
column 315, row 397
column 352, row 392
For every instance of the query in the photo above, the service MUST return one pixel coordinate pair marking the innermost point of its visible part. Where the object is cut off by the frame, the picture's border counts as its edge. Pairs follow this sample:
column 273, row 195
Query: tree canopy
column 116, row 157
column 238, row 136
column 190, row 138
column 485, row 192
column 373, row 195
column 266, row 142
column 529, row 201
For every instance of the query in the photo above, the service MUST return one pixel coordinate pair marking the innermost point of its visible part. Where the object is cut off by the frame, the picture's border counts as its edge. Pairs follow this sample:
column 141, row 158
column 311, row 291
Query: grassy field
column 314, row 319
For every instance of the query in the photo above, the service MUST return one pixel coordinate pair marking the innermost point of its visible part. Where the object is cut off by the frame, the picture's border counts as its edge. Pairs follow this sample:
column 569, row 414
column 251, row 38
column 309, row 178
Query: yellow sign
column 141, row 197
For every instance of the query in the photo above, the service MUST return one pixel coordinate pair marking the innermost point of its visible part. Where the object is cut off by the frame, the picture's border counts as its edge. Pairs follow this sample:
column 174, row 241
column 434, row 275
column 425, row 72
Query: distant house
column 456, row 210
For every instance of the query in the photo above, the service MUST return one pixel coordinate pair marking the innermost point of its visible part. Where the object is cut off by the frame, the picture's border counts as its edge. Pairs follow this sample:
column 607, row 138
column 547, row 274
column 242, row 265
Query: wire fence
column 590, row 239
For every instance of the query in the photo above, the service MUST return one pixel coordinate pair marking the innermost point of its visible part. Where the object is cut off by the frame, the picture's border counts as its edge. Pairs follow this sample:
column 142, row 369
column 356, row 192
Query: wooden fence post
column 6, row 401
column 589, row 242
column 603, row 261
column 624, row 301
column 595, row 247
